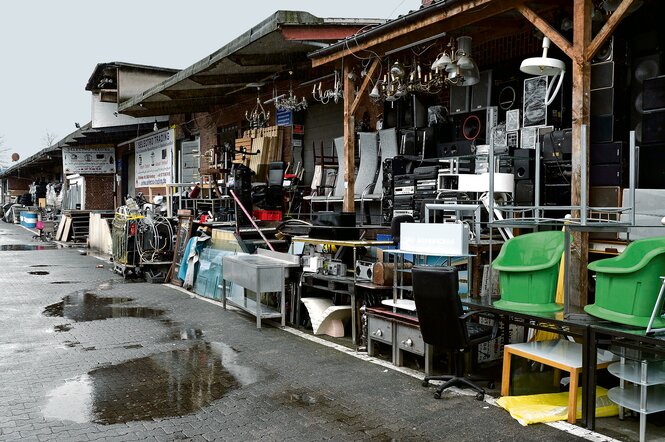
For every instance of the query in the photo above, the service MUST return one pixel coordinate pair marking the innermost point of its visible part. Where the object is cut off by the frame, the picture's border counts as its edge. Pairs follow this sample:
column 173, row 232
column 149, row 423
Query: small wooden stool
column 560, row 354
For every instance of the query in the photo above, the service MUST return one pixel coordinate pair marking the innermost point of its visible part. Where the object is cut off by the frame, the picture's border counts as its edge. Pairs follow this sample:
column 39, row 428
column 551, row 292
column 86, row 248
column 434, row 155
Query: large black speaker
column 642, row 69
column 456, row 148
column 481, row 92
column 654, row 94
column 651, row 173
column 524, row 191
column 602, row 128
column 607, row 153
column 653, row 127
column 608, row 79
column 407, row 112
column 523, row 163
column 459, row 100
column 606, row 175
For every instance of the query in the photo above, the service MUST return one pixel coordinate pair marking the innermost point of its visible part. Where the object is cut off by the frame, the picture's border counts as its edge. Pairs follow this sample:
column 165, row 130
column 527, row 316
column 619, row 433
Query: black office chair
column 396, row 226
column 444, row 324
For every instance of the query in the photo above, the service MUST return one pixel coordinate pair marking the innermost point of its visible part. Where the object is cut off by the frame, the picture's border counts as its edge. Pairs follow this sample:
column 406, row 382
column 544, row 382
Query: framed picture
column 529, row 137
column 513, row 120
column 534, row 111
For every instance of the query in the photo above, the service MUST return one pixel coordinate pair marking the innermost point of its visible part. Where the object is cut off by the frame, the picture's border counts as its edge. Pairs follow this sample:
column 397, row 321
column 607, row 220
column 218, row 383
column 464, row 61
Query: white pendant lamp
column 545, row 65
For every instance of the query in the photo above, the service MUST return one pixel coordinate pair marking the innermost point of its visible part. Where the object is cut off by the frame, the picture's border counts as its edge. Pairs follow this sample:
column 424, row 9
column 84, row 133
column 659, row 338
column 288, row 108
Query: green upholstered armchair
column 528, row 268
column 627, row 285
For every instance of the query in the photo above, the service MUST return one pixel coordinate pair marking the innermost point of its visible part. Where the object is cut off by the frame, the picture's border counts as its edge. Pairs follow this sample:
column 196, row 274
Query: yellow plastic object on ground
column 551, row 407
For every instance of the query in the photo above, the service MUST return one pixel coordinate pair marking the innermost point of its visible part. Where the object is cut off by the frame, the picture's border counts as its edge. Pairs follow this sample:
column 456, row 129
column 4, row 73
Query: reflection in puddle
column 65, row 282
column 166, row 384
column 24, row 247
column 187, row 334
column 89, row 307
column 62, row 327
column 38, row 272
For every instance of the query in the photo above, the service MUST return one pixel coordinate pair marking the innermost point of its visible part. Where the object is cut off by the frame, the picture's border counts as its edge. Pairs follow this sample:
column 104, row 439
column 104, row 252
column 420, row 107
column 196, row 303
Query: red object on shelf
column 268, row 215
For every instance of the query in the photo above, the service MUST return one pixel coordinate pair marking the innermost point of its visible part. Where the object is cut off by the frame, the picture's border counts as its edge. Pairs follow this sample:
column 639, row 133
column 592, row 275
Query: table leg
column 224, row 293
column 505, row 375
column 572, row 396
column 258, row 309
column 587, row 407
column 590, row 374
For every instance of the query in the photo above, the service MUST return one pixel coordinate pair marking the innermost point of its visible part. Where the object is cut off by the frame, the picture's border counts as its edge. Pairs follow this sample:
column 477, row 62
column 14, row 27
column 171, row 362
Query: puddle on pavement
column 167, row 384
column 186, row 334
column 38, row 272
column 82, row 307
column 65, row 282
column 25, row 247
column 62, row 327
column 301, row 398
column 41, row 265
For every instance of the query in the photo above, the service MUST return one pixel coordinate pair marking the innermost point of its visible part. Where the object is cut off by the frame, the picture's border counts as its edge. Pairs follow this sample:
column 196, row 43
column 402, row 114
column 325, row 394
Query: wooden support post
column 581, row 90
column 550, row 32
column 365, row 83
column 349, row 139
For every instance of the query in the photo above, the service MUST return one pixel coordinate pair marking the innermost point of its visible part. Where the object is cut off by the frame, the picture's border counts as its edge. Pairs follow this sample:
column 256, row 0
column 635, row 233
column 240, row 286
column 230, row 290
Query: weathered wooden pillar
column 349, row 139
column 580, row 112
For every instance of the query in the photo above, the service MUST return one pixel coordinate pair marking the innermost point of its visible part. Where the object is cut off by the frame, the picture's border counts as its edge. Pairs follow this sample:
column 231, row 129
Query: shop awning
column 267, row 51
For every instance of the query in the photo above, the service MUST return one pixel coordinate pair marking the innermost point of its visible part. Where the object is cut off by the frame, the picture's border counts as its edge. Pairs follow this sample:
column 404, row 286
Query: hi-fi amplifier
column 364, row 270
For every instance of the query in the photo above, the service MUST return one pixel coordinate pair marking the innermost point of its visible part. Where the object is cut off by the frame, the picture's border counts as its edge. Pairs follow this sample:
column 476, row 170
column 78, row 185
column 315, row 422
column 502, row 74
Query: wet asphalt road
column 85, row 355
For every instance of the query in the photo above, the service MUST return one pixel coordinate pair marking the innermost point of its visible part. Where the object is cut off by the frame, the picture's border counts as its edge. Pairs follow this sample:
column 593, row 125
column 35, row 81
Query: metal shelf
column 629, row 397
column 630, row 371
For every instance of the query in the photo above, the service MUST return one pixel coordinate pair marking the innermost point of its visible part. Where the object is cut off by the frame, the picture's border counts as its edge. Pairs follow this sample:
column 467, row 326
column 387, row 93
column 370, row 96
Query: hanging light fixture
column 548, row 66
column 335, row 94
column 455, row 66
column 258, row 117
column 290, row 102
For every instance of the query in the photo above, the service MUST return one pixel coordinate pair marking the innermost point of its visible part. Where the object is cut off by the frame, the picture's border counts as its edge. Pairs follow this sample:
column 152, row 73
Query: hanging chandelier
column 258, row 117
column 455, row 66
column 335, row 94
column 290, row 102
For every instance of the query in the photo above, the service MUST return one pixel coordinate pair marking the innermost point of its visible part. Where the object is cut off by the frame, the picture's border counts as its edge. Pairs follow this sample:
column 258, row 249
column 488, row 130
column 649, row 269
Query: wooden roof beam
column 472, row 11
column 608, row 28
column 547, row 29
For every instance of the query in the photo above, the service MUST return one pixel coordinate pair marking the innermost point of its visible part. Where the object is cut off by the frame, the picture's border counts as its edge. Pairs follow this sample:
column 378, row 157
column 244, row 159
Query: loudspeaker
column 602, row 101
column 523, row 162
column 653, row 127
column 602, row 128
column 654, row 94
column 459, row 100
column 606, row 175
column 602, row 75
column 643, row 68
column 407, row 112
column 481, row 92
column 524, row 191
column 650, row 170
column 607, row 153
column 605, row 53
column 557, row 145
column 456, row 148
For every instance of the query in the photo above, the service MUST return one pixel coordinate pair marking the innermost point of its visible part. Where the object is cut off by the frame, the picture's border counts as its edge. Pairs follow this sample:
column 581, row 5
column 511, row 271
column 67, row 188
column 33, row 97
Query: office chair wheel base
column 480, row 396
column 437, row 395
column 425, row 383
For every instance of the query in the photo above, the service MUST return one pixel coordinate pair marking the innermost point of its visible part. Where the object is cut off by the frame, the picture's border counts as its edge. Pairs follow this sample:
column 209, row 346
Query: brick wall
column 99, row 192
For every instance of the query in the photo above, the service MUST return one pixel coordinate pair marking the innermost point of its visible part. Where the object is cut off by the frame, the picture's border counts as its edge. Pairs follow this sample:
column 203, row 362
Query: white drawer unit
column 401, row 336
column 408, row 338
column 378, row 329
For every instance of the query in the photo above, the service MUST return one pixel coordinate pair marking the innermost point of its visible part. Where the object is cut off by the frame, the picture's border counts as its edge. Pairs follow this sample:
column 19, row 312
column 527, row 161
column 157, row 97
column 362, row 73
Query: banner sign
column 88, row 160
column 154, row 158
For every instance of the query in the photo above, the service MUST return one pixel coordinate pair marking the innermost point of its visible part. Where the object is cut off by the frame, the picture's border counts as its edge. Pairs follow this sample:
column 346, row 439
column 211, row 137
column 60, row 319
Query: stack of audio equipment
column 404, row 191
column 391, row 167
column 652, row 149
column 557, row 168
column 425, row 189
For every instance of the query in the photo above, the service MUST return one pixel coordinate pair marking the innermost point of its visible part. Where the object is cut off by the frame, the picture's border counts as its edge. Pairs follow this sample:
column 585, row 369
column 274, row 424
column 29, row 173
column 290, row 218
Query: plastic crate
column 268, row 215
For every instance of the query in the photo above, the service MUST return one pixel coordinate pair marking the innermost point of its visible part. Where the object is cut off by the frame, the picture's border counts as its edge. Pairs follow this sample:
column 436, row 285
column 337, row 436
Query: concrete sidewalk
column 163, row 365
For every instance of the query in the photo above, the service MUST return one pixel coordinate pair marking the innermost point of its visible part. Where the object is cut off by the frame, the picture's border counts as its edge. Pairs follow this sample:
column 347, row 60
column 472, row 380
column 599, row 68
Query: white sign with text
column 154, row 158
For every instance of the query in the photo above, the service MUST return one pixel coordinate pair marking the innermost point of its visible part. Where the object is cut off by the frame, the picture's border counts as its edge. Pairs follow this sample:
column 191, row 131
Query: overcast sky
column 49, row 49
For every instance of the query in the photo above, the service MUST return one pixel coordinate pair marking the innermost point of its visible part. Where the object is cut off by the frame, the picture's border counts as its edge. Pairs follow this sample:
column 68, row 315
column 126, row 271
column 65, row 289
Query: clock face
column 507, row 98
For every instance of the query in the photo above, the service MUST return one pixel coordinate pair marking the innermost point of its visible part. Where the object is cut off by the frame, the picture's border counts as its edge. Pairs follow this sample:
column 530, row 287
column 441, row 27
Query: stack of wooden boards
column 73, row 226
column 268, row 142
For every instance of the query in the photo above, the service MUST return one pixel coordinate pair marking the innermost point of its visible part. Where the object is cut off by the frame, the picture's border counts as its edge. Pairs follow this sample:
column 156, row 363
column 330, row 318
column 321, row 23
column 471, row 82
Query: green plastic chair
column 528, row 268
column 627, row 285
